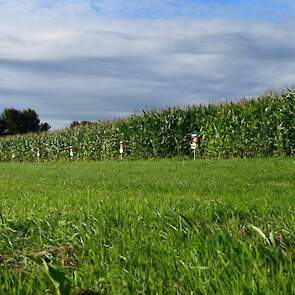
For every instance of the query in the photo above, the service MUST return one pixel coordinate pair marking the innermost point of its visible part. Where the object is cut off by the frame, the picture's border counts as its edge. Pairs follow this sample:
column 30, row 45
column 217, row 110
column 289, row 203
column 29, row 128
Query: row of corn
column 259, row 127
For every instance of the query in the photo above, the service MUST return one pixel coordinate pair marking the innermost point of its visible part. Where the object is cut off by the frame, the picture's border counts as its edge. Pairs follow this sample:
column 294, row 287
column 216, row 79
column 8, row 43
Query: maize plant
column 261, row 127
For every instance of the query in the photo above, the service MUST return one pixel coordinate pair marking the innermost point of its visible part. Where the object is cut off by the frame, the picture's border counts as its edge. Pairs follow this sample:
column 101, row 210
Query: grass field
column 148, row 227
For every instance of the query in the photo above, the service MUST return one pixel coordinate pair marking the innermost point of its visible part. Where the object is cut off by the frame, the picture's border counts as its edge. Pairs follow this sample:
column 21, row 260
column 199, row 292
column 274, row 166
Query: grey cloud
column 98, row 67
column 160, row 65
column 10, row 39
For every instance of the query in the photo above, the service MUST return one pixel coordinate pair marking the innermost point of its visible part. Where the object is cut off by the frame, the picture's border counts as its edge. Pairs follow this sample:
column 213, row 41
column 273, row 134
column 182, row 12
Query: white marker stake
column 71, row 152
column 13, row 156
column 194, row 138
column 121, row 149
column 38, row 155
column 193, row 148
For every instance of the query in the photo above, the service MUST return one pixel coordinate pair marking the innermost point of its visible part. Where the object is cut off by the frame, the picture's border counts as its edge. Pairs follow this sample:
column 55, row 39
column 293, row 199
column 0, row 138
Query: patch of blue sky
column 264, row 10
column 272, row 10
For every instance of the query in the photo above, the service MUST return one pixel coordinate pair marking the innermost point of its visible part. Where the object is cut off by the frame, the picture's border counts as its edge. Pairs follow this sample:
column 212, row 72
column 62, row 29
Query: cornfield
column 261, row 127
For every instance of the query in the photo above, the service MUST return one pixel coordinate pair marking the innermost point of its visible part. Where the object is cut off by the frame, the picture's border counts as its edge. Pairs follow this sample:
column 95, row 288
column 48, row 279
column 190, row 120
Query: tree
column 12, row 119
column 44, row 127
column 13, row 122
column 3, row 126
column 29, row 121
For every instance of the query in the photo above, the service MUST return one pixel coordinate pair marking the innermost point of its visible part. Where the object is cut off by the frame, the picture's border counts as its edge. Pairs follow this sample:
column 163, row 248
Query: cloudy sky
column 96, row 59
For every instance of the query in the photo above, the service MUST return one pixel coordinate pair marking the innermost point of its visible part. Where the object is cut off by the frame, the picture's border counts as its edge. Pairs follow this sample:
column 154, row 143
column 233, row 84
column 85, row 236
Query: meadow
column 148, row 227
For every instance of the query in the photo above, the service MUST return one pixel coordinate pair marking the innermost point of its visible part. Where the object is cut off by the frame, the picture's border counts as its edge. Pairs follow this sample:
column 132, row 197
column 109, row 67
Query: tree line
column 14, row 122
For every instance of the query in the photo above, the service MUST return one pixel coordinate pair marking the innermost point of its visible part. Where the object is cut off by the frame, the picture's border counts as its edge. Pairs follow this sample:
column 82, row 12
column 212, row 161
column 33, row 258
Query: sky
column 95, row 59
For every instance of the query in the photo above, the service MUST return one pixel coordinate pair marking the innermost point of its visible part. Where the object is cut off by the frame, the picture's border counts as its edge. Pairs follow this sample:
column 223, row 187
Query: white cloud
column 66, row 63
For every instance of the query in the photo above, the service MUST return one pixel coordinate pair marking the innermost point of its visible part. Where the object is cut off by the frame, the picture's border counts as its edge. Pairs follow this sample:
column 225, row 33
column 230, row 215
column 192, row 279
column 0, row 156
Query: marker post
column 194, row 140
column 13, row 156
column 121, row 150
column 71, row 151
column 38, row 154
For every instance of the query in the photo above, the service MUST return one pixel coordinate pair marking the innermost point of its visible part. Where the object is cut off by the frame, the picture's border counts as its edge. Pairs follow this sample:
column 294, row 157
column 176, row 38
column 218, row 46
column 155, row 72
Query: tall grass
column 148, row 227
column 250, row 128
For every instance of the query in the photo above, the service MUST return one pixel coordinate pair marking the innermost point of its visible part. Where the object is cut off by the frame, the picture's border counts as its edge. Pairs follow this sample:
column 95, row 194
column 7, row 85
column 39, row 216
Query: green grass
column 148, row 227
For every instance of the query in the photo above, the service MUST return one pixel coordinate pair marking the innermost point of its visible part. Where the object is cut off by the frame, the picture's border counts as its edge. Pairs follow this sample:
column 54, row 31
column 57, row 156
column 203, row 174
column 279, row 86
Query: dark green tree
column 3, row 126
column 13, row 122
column 29, row 121
column 44, row 127
column 12, row 119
